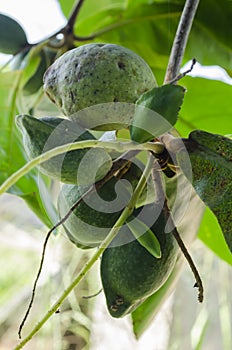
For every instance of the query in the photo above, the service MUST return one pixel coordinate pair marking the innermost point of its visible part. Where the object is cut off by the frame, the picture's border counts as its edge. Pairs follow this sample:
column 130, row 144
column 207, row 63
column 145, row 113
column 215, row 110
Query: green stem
column 112, row 234
column 116, row 146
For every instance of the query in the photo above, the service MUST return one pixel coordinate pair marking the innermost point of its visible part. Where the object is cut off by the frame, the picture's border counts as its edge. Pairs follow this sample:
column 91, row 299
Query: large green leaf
column 210, row 234
column 12, row 153
column 210, row 39
column 88, row 8
column 207, row 106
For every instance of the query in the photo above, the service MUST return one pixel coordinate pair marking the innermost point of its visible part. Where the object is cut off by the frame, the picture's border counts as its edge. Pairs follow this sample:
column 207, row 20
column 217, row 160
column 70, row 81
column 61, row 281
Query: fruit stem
column 180, row 40
column 112, row 234
column 121, row 147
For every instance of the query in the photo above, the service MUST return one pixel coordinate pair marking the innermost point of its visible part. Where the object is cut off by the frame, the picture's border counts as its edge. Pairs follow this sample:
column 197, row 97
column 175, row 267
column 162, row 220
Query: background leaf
column 207, row 106
column 12, row 152
column 210, row 234
column 210, row 39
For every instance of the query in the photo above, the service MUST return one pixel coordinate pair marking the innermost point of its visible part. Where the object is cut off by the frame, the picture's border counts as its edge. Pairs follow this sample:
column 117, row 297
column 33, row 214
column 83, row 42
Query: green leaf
column 144, row 236
column 31, row 64
column 89, row 7
column 165, row 102
column 211, row 160
column 66, row 6
column 12, row 35
column 210, row 38
column 98, row 19
column 207, row 106
column 12, row 152
column 210, row 234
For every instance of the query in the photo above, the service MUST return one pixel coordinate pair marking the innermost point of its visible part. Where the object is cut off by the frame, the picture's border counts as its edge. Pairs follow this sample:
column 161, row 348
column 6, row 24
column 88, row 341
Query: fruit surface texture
column 129, row 272
column 43, row 134
column 95, row 74
column 96, row 214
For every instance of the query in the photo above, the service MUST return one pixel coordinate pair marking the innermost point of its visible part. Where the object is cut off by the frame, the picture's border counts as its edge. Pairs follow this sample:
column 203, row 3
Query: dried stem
column 180, row 41
column 156, row 175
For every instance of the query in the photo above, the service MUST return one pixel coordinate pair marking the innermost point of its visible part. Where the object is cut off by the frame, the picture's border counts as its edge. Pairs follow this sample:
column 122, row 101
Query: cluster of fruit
column 96, row 87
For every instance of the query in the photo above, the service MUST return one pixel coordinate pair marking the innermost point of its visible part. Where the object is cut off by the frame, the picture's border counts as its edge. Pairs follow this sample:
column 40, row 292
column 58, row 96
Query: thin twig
column 182, row 75
column 180, row 41
column 92, row 295
column 156, row 175
column 188, row 257
column 74, row 14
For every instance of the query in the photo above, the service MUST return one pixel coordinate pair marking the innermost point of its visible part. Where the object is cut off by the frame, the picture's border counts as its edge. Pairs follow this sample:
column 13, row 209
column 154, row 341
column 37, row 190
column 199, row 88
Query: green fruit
column 92, row 220
column 95, row 74
column 12, row 36
column 129, row 272
column 78, row 166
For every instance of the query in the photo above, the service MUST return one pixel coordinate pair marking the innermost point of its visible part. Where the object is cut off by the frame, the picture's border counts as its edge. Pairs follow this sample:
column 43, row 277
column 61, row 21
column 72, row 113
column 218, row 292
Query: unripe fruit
column 94, row 217
column 43, row 134
column 96, row 74
column 129, row 272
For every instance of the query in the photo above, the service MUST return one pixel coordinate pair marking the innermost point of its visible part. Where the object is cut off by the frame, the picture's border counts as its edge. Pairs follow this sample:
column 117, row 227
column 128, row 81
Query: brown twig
column 75, row 12
column 92, row 295
column 182, row 75
column 156, row 175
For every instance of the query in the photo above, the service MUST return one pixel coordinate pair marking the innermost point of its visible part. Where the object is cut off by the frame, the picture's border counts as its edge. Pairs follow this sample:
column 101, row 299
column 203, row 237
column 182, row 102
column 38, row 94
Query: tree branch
column 74, row 14
column 180, row 41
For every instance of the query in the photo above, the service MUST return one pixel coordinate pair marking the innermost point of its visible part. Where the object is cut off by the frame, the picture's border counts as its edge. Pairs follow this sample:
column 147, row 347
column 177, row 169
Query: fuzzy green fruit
column 95, row 74
column 129, row 272
column 92, row 220
column 42, row 134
